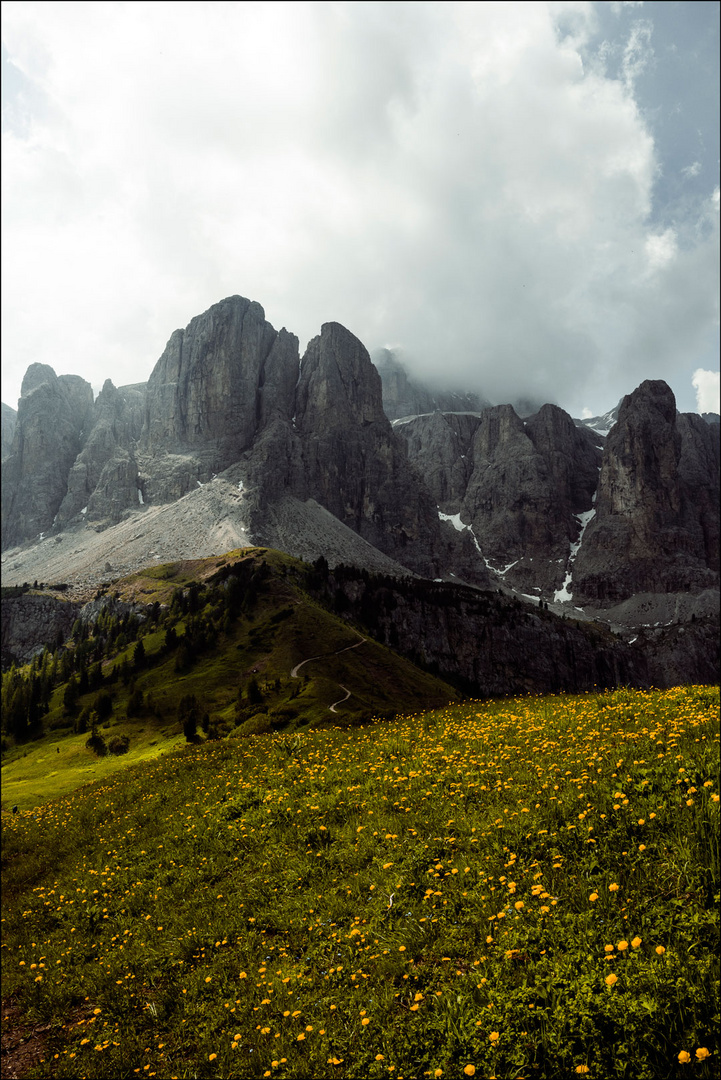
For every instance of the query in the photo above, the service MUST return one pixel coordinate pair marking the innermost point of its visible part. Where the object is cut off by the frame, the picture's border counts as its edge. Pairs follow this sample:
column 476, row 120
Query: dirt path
column 340, row 700
column 296, row 669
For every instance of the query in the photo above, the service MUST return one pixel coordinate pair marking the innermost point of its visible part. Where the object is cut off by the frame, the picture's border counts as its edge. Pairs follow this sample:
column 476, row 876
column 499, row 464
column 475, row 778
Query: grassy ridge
column 269, row 633
column 527, row 888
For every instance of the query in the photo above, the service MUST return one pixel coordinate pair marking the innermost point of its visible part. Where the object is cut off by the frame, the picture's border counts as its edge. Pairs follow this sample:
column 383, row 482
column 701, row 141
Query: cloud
column 707, row 385
column 462, row 179
column 691, row 170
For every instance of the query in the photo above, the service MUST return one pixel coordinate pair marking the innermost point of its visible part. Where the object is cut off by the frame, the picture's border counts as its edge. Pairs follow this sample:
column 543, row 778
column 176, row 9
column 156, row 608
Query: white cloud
column 638, row 52
column 691, row 170
column 661, row 248
column 707, row 385
column 456, row 177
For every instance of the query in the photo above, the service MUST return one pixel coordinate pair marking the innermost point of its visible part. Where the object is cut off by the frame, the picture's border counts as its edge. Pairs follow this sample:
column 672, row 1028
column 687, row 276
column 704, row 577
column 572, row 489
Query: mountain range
column 235, row 440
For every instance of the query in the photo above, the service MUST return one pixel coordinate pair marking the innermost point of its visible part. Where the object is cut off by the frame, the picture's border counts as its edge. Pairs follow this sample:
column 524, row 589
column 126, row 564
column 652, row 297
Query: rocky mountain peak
column 338, row 383
column 54, row 415
column 209, row 390
column 656, row 523
column 35, row 376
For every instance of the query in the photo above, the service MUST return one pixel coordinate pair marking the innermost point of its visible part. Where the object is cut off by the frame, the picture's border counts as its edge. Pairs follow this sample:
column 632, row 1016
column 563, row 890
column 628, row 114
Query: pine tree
column 139, row 657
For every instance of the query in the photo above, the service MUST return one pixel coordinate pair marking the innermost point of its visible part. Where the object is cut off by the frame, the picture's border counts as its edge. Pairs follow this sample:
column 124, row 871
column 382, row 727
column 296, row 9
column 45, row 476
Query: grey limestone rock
column 33, row 620
column 356, row 467
column 9, row 422
column 521, row 485
column 54, row 415
column 440, row 446
column 218, row 381
column 657, row 521
column 102, row 483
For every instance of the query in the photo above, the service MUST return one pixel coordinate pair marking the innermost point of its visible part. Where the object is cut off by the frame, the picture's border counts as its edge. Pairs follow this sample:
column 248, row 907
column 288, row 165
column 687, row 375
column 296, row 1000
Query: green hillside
column 527, row 888
column 212, row 645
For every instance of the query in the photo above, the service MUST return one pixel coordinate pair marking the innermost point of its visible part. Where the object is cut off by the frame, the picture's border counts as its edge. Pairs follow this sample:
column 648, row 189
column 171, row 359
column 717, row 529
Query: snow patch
column 240, row 485
column 141, row 500
column 84, row 510
column 455, row 520
column 504, row 570
column 564, row 594
column 199, row 483
column 475, row 541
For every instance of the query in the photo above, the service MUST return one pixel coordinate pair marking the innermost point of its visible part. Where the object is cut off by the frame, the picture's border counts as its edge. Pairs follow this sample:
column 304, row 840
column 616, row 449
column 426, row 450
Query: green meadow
column 517, row 889
column 226, row 633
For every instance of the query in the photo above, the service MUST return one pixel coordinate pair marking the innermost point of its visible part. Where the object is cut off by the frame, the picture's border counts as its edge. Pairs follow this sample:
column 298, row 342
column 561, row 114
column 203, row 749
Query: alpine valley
column 347, row 723
column 503, row 549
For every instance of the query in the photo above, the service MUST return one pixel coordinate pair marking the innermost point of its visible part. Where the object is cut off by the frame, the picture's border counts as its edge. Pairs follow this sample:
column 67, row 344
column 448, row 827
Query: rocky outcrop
column 9, row 421
column 219, row 382
column 656, row 527
column 291, row 443
column 32, row 621
column 489, row 645
column 521, row 485
column 530, row 480
column 342, row 453
column 103, row 482
column 54, row 415
column 440, row 445
column 217, row 388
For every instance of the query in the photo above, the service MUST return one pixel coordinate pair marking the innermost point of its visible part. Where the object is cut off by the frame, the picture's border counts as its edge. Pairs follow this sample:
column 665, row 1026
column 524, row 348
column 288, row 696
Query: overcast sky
column 523, row 197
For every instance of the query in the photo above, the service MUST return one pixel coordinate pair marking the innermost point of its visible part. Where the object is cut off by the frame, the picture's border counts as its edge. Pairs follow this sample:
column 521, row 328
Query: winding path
column 296, row 669
column 340, row 700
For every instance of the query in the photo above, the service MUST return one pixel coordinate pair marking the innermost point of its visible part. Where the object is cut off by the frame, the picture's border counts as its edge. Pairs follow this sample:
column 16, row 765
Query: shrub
column 119, row 744
column 104, row 705
column 96, row 743
column 256, row 725
column 81, row 724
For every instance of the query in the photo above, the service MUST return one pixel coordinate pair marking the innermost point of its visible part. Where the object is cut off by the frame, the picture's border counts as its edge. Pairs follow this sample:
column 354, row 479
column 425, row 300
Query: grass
column 281, row 628
column 60, row 763
column 526, row 888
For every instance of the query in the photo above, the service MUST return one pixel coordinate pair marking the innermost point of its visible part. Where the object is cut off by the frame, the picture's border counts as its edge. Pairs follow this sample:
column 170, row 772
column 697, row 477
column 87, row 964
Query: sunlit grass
column 526, row 888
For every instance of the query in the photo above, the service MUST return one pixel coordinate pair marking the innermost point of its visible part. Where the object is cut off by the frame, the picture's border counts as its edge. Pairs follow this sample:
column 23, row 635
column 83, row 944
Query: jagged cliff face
column 519, row 485
column 656, row 526
column 54, row 414
column 228, row 396
column 219, row 381
column 103, row 481
column 353, row 463
column 549, row 506
column 529, row 482
column 9, row 422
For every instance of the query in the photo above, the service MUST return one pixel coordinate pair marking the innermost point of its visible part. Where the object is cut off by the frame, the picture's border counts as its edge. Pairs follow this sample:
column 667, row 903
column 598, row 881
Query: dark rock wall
column 657, row 518
column 54, row 415
column 492, row 646
column 9, row 421
column 229, row 392
column 32, row 621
